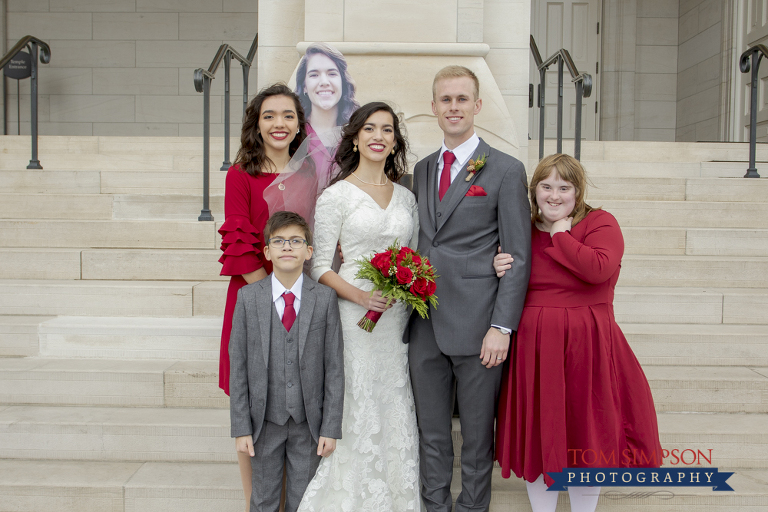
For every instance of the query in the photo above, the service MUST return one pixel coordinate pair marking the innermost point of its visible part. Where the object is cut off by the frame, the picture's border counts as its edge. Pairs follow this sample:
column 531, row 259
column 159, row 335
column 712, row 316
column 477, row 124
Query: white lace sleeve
column 328, row 219
column 415, row 214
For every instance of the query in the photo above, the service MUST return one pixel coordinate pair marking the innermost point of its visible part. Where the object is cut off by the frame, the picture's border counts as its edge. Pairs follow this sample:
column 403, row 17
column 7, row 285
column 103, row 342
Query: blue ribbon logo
column 640, row 477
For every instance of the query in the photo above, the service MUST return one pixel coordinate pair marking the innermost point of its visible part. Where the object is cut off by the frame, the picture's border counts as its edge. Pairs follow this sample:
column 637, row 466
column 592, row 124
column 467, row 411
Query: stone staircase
column 111, row 303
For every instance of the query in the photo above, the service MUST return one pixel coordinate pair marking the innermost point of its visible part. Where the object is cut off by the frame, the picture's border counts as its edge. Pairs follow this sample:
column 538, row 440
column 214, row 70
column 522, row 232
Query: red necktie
column 445, row 177
column 289, row 314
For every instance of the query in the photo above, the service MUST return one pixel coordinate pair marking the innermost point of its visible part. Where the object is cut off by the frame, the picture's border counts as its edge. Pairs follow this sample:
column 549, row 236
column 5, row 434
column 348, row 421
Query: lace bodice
column 346, row 214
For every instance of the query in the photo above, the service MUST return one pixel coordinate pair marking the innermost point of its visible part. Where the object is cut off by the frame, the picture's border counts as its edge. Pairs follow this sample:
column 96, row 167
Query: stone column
column 617, row 94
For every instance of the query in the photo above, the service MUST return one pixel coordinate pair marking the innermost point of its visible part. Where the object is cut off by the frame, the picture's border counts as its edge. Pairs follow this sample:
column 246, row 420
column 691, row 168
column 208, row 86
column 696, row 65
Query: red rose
column 431, row 287
column 382, row 262
column 400, row 257
column 416, row 259
column 420, row 287
column 404, row 275
column 406, row 250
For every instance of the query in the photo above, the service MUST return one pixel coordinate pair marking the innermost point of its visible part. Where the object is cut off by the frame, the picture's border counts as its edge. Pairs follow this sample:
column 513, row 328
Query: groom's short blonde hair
column 455, row 72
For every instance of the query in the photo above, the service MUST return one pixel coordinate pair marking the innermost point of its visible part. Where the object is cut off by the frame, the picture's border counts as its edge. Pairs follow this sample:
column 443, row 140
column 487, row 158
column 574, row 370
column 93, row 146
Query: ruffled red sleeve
column 241, row 242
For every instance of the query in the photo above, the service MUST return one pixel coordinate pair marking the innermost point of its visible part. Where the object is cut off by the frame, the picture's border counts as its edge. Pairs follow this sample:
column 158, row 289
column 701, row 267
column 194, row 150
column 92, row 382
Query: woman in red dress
column 273, row 130
column 573, row 393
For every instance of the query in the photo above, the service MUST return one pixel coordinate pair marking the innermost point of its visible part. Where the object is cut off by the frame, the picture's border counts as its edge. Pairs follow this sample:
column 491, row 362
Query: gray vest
column 284, row 397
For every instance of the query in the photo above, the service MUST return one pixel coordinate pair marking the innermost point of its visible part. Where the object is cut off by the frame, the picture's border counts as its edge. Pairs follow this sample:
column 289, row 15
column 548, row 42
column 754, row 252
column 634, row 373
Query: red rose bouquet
column 401, row 274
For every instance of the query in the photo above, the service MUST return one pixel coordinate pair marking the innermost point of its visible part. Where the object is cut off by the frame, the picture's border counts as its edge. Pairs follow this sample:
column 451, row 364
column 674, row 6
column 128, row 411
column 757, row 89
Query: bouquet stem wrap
column 368, row 322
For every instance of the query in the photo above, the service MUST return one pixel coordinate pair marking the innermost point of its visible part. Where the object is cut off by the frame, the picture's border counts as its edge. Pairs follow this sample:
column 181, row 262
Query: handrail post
column 246, row 72
column 577, row 134
column 34, row 163
column 560, row 104
column 752, row 170
column 227, row 62
column 205, row 213
column 542, row 118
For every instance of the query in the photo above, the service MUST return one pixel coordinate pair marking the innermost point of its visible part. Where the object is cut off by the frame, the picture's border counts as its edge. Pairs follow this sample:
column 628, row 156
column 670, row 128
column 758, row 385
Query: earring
column 298, row 131
column 393, row 151
column 354, row 149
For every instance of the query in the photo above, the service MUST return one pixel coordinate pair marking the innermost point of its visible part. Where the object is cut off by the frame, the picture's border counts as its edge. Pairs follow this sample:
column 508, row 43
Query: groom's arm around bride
column 472, row 198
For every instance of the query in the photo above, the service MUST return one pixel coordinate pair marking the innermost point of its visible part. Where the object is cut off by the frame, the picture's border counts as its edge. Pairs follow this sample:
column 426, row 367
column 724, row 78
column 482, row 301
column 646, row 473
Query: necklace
column 386, row 180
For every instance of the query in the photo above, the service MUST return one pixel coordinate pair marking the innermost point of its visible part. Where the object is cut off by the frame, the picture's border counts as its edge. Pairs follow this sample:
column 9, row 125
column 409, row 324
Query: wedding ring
column 499, row 358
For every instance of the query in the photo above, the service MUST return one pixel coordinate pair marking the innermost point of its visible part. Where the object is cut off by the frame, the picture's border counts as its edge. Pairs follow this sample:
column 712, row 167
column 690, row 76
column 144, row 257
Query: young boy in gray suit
column 287, row 369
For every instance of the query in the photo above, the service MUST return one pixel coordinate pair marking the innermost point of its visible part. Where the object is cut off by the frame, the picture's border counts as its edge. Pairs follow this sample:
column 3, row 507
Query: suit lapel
column 308, row 299
column 459, row 187
column 264, row 311
column 432, row 186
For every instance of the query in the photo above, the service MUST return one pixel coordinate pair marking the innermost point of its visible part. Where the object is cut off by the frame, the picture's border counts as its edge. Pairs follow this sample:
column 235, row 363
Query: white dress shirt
column 463, row 153
column 277, row 294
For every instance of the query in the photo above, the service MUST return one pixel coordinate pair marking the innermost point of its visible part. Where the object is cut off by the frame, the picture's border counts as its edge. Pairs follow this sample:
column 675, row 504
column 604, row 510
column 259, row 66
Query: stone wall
column 656, row 71
column 700, row 66
column 124, row 67
column 639, row 78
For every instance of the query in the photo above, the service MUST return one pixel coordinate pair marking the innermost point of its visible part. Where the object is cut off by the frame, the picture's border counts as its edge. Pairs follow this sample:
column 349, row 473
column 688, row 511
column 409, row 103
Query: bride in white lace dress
column 375, row 466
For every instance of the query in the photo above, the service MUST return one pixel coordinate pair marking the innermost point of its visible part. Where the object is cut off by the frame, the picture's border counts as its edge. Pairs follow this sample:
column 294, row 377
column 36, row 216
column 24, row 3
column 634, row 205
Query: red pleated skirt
column 573, row 395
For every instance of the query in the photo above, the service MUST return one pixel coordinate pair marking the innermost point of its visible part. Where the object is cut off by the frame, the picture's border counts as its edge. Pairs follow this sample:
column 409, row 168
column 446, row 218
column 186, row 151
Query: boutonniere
column 475, row 166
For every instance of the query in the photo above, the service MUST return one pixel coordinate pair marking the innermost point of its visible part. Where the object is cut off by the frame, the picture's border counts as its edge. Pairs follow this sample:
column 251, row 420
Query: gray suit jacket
column 460, row 236
column 321, row 359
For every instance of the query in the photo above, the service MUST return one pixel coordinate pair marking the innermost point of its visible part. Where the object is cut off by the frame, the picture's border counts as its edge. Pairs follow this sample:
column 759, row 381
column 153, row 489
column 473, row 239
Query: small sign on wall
column 20, row 66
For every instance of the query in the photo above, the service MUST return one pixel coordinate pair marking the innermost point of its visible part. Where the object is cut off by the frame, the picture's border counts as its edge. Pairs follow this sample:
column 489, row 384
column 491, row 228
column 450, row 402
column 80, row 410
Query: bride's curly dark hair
column 252, row 157
column 347, row 159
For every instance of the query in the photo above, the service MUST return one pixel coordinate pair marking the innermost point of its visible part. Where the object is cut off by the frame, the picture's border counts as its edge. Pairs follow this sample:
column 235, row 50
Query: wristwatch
column 504, row 330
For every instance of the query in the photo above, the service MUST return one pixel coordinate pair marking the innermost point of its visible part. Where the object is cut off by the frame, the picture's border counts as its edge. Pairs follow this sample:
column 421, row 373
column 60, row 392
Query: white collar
column 278, row 289
column 464, row 150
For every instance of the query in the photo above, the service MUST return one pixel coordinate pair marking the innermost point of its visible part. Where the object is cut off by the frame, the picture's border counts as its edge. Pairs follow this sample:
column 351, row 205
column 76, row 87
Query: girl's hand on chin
column 561, row 225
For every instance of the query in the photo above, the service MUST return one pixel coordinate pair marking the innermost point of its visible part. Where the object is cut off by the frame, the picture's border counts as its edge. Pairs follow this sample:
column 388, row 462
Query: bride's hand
column 375, row 302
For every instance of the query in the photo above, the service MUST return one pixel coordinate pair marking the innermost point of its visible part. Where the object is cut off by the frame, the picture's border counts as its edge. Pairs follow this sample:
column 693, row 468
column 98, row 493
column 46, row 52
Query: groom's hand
column 495, row 348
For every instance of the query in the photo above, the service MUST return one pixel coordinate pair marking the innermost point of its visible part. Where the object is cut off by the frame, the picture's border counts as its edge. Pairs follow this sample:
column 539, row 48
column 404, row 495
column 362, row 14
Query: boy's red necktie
column 289, row 314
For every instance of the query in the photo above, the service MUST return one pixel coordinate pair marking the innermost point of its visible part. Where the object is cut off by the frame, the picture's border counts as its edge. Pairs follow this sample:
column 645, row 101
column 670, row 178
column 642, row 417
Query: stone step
column 653, row 151
column 96, row 298
column 750, row 495
column 187, row 434
column 732, row 271
column 56, row 206
column 624, row 188
column 116, row 434
column 698, row 345
column 110, row 382
column 190, row 339
column 632, row 304
column 687, row 214
column 735, row 441
column 701, row 389
column 18, row 335
column 30, row 181
column 203, row 264
column 86, row 486
column 168, row 383
column 165, row 207
column 170, row 234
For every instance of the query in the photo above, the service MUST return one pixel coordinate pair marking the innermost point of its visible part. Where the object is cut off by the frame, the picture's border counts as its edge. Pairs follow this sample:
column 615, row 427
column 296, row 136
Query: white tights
column 583, row 499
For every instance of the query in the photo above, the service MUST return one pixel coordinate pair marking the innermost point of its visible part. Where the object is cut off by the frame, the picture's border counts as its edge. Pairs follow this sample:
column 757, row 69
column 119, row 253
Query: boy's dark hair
column 280, row 220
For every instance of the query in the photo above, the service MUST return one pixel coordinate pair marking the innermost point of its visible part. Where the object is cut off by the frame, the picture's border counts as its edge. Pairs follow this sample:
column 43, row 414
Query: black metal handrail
column 583, row 82
column 35, row 46
column 756, row 52
column 202, row 80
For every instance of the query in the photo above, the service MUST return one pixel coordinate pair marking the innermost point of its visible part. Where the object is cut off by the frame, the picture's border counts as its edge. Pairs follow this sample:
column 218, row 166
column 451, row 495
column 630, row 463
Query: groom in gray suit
column 472, row 199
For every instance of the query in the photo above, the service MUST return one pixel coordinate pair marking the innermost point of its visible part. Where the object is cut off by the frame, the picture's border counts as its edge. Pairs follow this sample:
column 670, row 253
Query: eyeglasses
column 279, row 243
